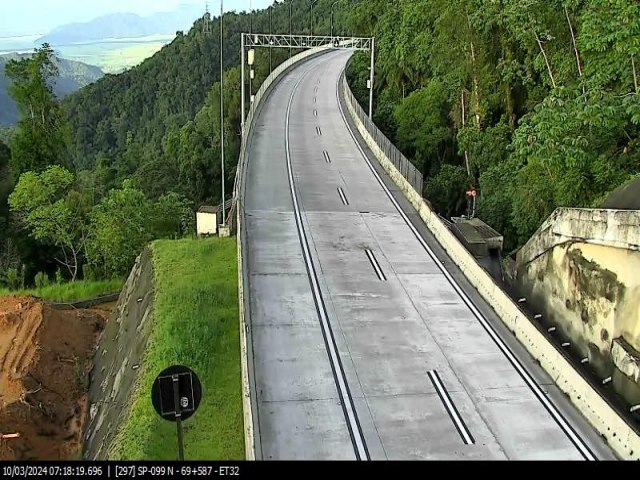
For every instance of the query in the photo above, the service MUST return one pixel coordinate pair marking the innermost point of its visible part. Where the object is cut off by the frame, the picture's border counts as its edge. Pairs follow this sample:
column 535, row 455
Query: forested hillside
column 71, row 77
column 89, row 181
column 533, row 102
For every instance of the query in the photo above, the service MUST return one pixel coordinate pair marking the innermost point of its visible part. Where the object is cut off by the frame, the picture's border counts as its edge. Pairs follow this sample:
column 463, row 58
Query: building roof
column 625, row 197
column 476, row 235
column 215, row 209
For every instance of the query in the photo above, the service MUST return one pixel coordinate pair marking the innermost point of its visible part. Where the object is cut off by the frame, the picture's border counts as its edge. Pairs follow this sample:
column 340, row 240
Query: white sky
column 25, row 17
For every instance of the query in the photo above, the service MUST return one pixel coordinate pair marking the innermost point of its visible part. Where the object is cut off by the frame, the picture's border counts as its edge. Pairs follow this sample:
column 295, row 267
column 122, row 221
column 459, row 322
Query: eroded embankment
column 45, row 356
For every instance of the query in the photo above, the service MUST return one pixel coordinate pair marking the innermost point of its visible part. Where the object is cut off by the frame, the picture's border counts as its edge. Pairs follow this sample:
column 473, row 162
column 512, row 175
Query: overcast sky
column 24, row 17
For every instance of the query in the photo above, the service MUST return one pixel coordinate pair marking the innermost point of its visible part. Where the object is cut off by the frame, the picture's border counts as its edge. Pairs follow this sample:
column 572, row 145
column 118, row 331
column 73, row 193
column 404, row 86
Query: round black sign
column 176, row 393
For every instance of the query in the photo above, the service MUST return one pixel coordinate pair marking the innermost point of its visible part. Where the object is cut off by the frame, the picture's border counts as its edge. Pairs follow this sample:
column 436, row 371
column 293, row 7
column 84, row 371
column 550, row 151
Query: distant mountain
column 72, row 76
column 124, row 25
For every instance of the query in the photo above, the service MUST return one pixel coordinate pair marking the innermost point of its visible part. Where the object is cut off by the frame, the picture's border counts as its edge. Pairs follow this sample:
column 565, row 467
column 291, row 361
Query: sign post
column 176, row 395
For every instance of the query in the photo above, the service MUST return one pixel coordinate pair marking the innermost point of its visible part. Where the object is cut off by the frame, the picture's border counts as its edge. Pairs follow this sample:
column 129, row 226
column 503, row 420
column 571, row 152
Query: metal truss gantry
column 251, row 41
column 307, row 41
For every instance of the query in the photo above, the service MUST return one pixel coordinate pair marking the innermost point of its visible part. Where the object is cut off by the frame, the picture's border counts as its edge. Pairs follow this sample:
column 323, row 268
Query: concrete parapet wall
column 607, row 422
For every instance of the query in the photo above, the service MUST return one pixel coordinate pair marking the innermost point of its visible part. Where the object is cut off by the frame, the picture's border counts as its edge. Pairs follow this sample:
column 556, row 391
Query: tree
column 446, row 190
column 41, row 135
column 423, row 129
column 538, row 100
column 54, row 213
column 118, row 230
column 125, row 220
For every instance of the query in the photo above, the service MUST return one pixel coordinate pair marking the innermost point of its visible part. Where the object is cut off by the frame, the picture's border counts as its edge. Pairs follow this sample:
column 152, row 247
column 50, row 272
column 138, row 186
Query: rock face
column 118, row 358
column 581, row 271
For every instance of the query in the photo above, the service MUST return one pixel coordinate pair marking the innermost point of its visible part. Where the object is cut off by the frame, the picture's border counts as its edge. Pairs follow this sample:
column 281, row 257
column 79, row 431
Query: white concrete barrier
column 606, row 421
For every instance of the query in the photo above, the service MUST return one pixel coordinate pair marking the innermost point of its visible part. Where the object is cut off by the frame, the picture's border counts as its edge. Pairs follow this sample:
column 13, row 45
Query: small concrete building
column 482, row 241
column 206, row 220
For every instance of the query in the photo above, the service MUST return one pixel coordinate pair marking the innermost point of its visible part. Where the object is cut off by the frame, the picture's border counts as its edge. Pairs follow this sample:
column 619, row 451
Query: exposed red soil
column 45, row 358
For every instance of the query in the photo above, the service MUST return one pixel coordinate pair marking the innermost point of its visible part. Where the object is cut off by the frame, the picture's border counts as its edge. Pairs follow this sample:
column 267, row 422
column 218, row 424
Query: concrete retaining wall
column 620, row 436
column 117, row 360
column 580, row 270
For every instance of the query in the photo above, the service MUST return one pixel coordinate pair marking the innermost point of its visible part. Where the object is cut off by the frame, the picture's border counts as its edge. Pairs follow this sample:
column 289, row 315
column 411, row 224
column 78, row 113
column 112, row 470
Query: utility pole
column 250, row 66
column 270, row 40
column 290, row 31
column 332, row 5
column 222, row 114
column 242, row 91
column 373, row 50
column 313, row 2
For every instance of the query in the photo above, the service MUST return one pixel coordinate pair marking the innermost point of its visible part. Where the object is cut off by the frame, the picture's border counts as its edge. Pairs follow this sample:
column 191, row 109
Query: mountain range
column 124, row 25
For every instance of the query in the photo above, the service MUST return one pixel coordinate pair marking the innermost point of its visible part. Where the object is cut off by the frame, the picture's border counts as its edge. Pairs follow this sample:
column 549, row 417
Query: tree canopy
column 537, row 100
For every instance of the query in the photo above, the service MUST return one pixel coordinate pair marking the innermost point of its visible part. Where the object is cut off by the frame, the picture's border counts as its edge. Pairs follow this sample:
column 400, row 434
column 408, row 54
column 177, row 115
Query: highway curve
column 367, row 342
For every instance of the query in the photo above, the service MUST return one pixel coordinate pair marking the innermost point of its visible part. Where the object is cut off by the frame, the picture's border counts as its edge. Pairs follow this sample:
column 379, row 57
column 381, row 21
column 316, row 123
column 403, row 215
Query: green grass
column 70, row 292
column 195, row 324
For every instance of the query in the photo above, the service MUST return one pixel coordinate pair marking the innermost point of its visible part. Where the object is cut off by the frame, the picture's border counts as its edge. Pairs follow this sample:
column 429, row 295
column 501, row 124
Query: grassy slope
column 70, row 292
column 195, row 324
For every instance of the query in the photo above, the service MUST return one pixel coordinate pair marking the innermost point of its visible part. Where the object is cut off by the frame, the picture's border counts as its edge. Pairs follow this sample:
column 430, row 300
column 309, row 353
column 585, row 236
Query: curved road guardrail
column 620, row 435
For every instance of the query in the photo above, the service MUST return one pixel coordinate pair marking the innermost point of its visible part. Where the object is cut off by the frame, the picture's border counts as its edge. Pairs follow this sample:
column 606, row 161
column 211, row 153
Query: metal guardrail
column 404, row 166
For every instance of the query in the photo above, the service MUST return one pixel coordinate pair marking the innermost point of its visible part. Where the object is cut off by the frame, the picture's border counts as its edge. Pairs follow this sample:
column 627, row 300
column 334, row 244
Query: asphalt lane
column 425, row 379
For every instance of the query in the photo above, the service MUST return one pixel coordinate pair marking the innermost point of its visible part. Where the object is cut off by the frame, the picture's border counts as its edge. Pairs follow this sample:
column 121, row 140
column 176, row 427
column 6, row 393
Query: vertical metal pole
column 242, row 81
column 250, row 66
column 332, row 20
column 290, row 30
column 224, row 222
column 311, row 21
column 373, row 52
column 178, row 414
column 270, row 62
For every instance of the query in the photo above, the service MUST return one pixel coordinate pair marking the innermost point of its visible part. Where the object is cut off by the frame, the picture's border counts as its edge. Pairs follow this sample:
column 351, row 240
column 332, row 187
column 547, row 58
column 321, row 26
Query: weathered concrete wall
column 606, row 421
column 581, row 270
column 612, row 228
column 117, row 359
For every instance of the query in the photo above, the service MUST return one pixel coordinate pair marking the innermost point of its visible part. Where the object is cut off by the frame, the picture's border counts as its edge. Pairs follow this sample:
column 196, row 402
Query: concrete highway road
column 364, row 343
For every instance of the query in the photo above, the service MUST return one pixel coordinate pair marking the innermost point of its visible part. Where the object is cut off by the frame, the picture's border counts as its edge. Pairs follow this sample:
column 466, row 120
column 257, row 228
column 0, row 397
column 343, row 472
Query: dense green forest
column 533, row 102
column 85, row 183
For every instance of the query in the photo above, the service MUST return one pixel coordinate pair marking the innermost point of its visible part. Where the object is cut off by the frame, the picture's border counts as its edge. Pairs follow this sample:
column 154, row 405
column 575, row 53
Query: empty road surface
column 364, row 346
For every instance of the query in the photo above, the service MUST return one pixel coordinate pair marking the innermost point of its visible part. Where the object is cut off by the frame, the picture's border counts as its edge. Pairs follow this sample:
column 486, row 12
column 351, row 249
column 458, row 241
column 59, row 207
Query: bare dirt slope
column 45, row 356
